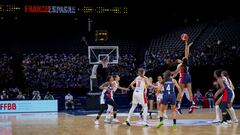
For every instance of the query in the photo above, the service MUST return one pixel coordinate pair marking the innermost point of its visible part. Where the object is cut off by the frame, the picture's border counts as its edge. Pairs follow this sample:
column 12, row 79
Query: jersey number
column 168, row 87
column 138, row 83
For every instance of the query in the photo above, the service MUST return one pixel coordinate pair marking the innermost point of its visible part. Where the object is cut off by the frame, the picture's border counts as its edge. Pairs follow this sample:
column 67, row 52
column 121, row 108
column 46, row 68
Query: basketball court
column 63, row 123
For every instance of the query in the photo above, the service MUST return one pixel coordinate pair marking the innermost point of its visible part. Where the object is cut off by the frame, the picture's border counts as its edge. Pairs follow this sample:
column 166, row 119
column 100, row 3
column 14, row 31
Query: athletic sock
column 228, row 117
column 174, row 121
column 98, row 117
column 150, row 114
column 161, row 119
column 141, row 112
column 114, row 115
column 224, row 117
column 217, row 110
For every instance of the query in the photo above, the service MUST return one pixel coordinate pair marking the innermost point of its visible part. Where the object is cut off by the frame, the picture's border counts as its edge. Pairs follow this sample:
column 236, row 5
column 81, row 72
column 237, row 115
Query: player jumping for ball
column 185, row 79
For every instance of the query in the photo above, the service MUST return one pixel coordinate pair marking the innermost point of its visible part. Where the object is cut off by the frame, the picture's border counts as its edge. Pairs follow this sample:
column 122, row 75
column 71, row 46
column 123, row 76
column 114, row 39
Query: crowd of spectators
column 55, row 71
column 60, row 71
column 215, row 54
column 15, row 94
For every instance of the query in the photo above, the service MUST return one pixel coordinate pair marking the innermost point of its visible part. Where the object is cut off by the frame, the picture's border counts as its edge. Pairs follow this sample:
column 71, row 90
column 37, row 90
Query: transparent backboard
column 98, row 53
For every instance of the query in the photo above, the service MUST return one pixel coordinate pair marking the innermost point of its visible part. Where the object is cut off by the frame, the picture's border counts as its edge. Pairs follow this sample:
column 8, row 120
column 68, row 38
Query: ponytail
column 166, row 75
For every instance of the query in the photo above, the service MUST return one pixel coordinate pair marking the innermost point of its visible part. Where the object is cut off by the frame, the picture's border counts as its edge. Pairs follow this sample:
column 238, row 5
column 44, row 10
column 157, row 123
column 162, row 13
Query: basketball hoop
column 104, row 63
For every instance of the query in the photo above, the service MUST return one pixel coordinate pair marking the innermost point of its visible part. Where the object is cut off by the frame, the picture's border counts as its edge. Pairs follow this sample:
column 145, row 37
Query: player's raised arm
column 187, row 49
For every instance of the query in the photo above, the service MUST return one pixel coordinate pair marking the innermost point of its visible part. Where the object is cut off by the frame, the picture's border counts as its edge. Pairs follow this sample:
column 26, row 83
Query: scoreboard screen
column 78, row 9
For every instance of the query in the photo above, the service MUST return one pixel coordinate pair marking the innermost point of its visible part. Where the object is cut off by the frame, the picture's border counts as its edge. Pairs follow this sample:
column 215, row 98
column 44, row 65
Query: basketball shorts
column 227, row 95
column 139, row 97
column 185, row 79
column 169, row 98
column 150, row 96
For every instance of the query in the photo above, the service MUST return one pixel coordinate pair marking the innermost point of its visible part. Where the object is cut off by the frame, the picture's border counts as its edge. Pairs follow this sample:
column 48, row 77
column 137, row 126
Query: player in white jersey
column 230, row 86
column 139, row 96
column 159, row 96
column 110, row 108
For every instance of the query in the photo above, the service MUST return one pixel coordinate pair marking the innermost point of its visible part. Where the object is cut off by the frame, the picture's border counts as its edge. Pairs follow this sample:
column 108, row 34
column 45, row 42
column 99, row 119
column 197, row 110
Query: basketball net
column 104, row 63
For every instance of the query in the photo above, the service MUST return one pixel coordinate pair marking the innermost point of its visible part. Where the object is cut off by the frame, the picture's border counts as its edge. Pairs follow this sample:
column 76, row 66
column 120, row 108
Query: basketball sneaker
column 191, row 109
column 107, row 120
column 160, row 124
column 235, row 121
column 174, row 126
column 127, row 123
column 224, row 124
column 96, row 122
column 179, row 111
column 229, row 121
column 115, row 120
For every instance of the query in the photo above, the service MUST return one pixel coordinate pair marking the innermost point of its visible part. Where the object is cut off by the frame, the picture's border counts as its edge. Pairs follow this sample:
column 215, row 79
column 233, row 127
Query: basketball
column 184, row 37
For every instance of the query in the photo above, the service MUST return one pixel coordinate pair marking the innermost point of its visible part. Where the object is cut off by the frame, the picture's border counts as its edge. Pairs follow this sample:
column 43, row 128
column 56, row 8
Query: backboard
column 98, row 53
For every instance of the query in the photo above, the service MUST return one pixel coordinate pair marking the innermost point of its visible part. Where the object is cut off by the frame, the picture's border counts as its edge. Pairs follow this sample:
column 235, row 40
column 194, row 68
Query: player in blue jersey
column 169, row 96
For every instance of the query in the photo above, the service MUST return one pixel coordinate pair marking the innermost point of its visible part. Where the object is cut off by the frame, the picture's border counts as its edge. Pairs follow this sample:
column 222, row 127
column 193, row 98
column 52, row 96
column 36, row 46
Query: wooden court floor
column 65, row 124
